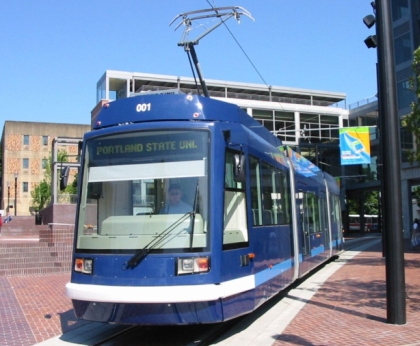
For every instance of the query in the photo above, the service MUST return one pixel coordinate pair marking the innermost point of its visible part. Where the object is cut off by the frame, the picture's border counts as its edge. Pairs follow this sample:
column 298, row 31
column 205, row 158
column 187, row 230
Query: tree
column 41, row 195
column 412, row 121
column 415, row 192
column 72, row 188
column 370, row 203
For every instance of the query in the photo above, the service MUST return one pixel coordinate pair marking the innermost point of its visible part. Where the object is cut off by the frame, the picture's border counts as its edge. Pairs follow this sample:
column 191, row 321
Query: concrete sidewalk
column 351, row 309
column 342, row 304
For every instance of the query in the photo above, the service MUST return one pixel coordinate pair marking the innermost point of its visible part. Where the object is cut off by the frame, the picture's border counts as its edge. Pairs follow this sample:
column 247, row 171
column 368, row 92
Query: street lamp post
column 8, row 196
column 390, row 148
column 391, row 160
column 16, row 176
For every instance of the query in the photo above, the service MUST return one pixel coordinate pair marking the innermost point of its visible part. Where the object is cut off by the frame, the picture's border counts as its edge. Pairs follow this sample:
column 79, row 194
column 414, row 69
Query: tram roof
column 177, row 107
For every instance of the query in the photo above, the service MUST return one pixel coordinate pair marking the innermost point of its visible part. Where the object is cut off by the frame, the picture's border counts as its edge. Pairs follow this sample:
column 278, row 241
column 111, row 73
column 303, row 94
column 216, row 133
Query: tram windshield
column 145, row 191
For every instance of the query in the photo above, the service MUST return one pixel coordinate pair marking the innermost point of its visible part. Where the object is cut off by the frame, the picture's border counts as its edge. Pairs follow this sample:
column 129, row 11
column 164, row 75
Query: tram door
column 308, row 218
column 235, row 254
column 325, row 224
column 235, row 227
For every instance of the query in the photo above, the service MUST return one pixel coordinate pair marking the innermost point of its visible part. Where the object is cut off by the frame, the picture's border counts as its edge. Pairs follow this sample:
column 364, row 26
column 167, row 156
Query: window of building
column 25, row 163
column 368, row 120
column 310, row 127
column 404, row 94
column 101, row 90
column 318, row 128
column 265, row 118
column 44, row 140
column 373, row 131
column 329, row 127
column 285, row 125
column 25, row 186
column 403, row 50
column 399, row 9
column 117, row 89
column 44, row 163
column 25, row 139
column 407, row 142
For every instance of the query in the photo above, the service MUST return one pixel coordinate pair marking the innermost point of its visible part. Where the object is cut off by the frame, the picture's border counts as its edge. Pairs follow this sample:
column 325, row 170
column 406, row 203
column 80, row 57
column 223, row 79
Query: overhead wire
column 243, row 50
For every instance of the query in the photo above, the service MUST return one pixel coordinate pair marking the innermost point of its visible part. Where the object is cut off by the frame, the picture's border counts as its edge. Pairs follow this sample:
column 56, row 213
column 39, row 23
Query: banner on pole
column 355, row 145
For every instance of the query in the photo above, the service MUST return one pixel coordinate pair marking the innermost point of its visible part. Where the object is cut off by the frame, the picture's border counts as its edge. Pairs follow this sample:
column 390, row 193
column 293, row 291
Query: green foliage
column 41, row 195
column 412, row 121
column 416, row 194
column 71, row 189
column 370, row 199
column 353, row 206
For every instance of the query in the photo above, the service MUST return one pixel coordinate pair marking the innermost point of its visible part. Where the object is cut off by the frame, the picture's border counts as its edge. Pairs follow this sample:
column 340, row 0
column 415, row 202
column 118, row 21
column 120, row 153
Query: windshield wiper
column 142, row 253
column 193, row 217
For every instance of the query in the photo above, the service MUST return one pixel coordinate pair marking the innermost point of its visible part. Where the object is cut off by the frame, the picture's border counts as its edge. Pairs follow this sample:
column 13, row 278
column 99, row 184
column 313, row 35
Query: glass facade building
column 309, row 120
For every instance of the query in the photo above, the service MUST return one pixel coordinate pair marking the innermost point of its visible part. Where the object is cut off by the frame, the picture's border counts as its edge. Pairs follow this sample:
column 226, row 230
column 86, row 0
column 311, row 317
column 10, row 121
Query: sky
column 52, row 53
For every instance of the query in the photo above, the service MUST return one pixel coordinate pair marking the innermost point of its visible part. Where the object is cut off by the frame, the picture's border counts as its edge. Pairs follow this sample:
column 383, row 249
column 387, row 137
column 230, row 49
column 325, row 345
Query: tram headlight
column 83, row 265
column 192, row 265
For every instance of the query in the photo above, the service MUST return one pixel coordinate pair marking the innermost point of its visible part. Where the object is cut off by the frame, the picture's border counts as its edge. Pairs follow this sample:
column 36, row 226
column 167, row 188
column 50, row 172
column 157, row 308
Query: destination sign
column 149, row 147
column 179, row 143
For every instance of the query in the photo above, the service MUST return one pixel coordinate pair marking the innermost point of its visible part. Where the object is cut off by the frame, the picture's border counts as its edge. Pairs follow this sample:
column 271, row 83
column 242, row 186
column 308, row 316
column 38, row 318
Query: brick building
column 26, row 148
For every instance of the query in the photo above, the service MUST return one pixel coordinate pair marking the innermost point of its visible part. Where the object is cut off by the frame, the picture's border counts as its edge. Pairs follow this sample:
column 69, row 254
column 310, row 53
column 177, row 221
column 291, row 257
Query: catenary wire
column 243, row 51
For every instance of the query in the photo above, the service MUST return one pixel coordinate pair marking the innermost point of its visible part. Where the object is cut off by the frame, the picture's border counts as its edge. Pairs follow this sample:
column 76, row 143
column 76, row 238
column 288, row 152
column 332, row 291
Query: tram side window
column 229, row 171
column 285, row 203
column 324, row 215
column 336, row 210
column 235, row 232
column 276, row 196
column 270, row 198
column 312, row 213
column 256, row 192
column 271, row 195
column 324, row 220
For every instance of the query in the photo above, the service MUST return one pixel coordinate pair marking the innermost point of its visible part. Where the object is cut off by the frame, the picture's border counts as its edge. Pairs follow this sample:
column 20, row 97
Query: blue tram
column 257, row 215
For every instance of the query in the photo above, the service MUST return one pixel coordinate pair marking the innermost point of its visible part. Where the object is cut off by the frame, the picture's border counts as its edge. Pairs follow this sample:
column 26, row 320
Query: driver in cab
column 175, row 205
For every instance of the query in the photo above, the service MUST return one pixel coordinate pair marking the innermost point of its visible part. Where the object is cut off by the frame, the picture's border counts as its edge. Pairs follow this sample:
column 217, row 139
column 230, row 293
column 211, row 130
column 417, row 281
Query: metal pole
column 197, row 67
column 16, row 175
column 8, row 196
column 390, row 143
column 380, row 161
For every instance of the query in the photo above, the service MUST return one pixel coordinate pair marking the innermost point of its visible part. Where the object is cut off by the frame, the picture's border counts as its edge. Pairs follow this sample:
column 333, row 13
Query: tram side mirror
column 94, row 190
column 64, row 177
column 79, row 149
column 79, row 155
column 239, row 168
